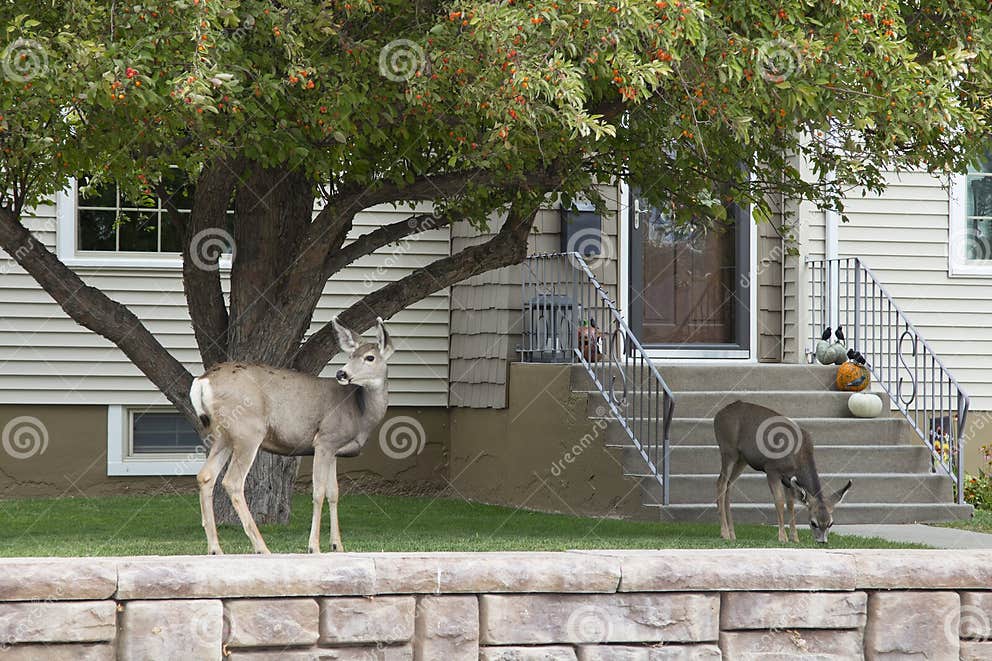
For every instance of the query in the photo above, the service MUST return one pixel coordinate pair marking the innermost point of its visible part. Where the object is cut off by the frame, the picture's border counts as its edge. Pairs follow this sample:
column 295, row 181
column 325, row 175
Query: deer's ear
column 839, row 496
column 385, row 341
column 794, row 483
column 348, row 339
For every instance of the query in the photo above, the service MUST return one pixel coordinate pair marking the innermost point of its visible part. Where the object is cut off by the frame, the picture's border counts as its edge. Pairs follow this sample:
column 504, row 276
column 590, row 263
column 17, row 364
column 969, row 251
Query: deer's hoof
column 216, row 551
column 314, row 550
column 337, row 548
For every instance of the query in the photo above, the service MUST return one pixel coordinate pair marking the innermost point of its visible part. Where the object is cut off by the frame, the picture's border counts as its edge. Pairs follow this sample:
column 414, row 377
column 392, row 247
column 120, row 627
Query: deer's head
column 366, row 364
column 821, row 508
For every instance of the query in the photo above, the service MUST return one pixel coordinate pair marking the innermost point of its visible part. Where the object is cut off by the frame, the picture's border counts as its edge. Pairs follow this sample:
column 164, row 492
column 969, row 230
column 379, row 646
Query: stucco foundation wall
column 542, row 452
column 571, row 606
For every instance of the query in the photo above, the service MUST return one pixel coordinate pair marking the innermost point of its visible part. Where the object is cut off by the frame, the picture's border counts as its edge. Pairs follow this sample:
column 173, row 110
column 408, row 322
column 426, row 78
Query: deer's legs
column 332, row 503
column 207, row 478
column 734, row 474
column 790, row 501
column 778, row 493
column 321, row 465
column 730, row 469
column 726, row 465
column 242, row 457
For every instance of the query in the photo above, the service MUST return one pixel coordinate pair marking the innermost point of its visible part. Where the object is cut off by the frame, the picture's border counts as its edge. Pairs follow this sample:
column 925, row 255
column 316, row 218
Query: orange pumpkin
column 853, row 377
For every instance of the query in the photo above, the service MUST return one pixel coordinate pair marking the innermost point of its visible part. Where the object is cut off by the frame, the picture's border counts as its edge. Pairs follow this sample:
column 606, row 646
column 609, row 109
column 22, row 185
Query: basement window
column 151, row 441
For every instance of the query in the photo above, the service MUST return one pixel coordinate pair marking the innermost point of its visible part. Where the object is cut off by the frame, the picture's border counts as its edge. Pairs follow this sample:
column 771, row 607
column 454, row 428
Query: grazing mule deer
column 755, row 436
column 247, row 407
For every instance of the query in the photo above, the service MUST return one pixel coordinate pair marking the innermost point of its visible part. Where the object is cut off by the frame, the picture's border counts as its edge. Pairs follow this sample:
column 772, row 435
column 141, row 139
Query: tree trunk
column 272, row 211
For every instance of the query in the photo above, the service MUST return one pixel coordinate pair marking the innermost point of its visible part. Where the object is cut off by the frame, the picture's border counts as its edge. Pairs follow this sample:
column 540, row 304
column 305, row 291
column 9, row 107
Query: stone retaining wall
column 573, row 606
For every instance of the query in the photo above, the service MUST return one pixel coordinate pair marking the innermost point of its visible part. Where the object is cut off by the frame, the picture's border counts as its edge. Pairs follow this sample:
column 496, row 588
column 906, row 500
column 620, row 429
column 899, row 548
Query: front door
column 689, row 287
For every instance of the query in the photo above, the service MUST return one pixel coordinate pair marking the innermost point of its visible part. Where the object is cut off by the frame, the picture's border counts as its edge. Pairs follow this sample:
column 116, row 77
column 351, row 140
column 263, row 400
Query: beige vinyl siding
column 806, row 221
column 486, row 318
column 46, row 358
column 769, row 296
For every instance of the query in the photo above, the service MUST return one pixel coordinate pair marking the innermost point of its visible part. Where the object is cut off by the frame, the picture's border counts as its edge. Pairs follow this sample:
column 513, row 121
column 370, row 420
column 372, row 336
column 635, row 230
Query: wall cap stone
column 360, row 574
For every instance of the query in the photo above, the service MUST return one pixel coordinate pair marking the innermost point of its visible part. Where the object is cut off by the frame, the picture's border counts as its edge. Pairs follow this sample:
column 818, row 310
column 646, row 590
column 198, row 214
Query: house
column 479, row 408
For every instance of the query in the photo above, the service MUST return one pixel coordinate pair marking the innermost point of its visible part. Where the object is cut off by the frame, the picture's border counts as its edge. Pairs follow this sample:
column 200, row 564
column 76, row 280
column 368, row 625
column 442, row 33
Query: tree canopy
column 485, row 108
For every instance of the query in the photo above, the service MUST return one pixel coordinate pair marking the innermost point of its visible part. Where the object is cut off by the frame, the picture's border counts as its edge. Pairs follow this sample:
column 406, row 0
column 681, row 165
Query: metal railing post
column 856, row 337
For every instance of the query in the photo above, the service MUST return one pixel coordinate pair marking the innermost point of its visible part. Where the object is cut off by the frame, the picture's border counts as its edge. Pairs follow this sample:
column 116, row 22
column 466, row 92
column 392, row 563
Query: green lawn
column 169, row 525
column 981, row 522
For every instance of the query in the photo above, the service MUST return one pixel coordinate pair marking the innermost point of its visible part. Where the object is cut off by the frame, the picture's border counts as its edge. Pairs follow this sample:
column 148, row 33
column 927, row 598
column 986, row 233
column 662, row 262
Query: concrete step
column 824, row 431
column 746, row 376
column 752, row 487
column 706, row 404
column 844, row 513
column 705, row 459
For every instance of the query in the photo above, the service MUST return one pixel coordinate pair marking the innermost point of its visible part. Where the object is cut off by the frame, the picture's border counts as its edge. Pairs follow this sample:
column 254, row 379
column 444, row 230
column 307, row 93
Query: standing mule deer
column 756, row 436
column 247, row 407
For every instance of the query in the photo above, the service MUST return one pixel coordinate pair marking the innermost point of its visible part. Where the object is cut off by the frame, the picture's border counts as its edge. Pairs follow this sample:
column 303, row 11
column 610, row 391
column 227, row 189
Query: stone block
column 645, row 653
column 436, row 573
column 912, row 624
column 23, row 579
column 556, row 653
column 368, row 653
column 246, row 576
column 976, row 650
column 58, row 621
column 811, row 645
column 793, row 610
column 172, row 630
column 59, row 652
column 741, row 569
column 447, row 628
column 923, row 570
column 976, row 615
column 542, row 619
column 265, row 622
column 366, row 620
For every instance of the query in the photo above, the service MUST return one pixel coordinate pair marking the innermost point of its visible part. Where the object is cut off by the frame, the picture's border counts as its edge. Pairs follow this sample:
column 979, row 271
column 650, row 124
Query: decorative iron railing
column 570, row 318
column 844, row 291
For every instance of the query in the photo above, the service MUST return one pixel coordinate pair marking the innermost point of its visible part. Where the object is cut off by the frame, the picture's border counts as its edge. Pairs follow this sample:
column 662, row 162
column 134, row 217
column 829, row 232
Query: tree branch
column 382, row 236
column 90, row 307
column 508, row 247
column 201, row 273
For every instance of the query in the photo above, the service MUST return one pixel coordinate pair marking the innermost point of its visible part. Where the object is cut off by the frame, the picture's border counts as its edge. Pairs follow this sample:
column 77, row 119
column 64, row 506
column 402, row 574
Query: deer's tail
column 200, row 394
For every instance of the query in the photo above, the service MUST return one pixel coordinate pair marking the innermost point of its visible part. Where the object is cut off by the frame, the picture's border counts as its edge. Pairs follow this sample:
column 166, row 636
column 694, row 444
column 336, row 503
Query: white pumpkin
column 865, row 405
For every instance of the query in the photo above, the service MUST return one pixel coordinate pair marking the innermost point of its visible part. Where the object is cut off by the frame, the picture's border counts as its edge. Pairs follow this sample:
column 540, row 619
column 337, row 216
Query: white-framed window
column 970, row 240
column 100, row 227
column 151, row 440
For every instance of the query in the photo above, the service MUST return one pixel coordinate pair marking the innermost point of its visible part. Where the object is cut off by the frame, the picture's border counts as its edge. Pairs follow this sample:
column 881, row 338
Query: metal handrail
column 570, row 318
column 845, row 291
